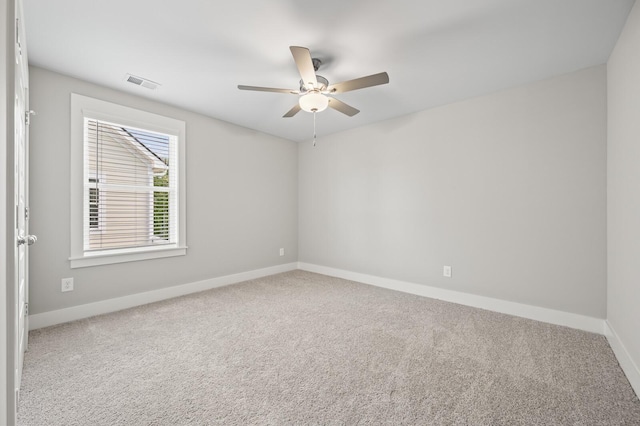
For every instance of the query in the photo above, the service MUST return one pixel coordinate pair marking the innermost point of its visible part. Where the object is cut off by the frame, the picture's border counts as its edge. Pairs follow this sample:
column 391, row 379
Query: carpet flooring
column 303, row 348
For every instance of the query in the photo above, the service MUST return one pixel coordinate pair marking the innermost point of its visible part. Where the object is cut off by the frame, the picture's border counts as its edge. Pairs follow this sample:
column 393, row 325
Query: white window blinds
column 130, row 187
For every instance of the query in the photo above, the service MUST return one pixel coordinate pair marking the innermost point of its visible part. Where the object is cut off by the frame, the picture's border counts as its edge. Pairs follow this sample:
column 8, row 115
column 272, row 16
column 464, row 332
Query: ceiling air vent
column 139, row 81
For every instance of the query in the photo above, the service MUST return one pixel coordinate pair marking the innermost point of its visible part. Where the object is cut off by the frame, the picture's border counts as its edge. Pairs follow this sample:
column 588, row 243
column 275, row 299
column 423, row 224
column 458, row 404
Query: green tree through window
column 161, row 207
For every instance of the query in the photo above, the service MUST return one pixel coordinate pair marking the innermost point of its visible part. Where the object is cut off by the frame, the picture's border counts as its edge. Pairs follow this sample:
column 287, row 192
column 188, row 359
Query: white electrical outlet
column 281, row 252
column 446, row 271
column 67, row 284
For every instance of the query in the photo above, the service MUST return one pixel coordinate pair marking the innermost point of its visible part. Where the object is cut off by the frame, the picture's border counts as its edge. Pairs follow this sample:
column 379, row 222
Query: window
column 130, row 190
column 127, row 184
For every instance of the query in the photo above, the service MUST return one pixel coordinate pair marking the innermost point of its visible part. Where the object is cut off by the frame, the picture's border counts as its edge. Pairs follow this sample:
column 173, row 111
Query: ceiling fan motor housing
column 323, row 83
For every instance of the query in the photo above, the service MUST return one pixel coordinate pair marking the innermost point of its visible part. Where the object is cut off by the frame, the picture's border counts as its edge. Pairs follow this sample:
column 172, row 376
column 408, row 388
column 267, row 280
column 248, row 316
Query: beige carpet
column 302, row 348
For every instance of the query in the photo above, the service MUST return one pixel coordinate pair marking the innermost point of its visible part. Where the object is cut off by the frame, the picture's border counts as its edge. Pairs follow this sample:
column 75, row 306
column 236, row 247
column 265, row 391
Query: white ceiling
column 435, row 51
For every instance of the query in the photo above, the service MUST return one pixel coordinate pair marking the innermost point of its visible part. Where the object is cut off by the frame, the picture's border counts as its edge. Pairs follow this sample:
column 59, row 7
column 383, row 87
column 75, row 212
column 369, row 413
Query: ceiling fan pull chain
column 314, row 128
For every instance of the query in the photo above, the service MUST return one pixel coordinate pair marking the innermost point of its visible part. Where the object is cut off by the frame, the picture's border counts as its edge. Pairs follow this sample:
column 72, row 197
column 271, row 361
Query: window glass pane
column 129, row 187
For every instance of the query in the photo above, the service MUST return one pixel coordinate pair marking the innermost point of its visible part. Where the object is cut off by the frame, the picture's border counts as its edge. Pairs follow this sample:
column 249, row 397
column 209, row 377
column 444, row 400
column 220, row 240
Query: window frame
column 85, row 107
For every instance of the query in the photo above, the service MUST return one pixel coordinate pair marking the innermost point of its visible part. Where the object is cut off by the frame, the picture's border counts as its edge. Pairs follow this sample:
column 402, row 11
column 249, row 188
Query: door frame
column 8, row 246
column 21, row 195
column 7, row 14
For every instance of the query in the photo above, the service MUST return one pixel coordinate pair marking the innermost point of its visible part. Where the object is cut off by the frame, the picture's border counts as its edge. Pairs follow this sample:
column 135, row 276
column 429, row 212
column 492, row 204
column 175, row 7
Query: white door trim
column 6, row 217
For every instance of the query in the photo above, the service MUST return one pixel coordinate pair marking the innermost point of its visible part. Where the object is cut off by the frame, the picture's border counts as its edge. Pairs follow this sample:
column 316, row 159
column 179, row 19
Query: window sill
column 110, row 258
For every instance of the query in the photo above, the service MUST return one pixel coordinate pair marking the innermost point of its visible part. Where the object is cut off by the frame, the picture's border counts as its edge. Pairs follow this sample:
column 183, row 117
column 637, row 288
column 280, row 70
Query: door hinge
column 26, row 213
column 27, row 116
column 18, row 39
column 26, row 309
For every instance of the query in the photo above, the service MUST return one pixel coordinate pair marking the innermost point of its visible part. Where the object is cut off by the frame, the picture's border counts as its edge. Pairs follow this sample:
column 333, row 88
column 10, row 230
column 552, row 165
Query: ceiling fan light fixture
column 313, row 102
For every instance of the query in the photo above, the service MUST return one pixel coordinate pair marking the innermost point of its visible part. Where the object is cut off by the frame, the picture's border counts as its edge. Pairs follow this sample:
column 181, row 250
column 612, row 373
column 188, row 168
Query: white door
column 23, row 239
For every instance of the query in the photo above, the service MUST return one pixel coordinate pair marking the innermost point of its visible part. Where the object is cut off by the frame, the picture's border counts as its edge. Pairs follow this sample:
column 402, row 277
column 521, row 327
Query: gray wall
column 509, row 189
column 623, row 189
column 241, row 201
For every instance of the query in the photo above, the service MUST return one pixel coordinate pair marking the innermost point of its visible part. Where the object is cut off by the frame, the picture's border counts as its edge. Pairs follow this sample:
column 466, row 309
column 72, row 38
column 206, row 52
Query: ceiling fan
column 315, row 92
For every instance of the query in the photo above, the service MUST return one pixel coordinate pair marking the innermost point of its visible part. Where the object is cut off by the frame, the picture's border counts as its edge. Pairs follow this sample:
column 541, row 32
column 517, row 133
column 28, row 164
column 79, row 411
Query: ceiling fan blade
column 359, row 83
column 268, row 89
column 302, row 56
column 342, row 107
column 293, row 111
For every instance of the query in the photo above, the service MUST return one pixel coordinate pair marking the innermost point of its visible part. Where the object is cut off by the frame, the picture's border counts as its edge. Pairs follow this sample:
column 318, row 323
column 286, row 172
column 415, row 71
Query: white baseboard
column 580, row 322
column 60, row 316
column 625, row 360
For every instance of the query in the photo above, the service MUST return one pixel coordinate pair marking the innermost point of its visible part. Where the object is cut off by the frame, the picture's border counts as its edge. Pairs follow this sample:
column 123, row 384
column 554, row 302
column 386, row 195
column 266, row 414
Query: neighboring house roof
column 137, row 148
